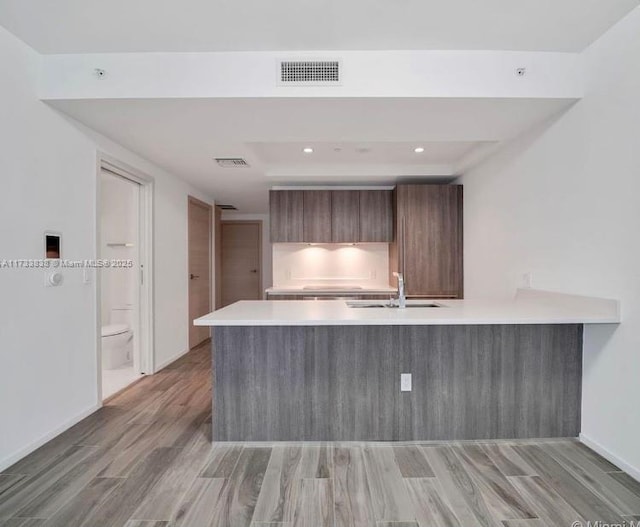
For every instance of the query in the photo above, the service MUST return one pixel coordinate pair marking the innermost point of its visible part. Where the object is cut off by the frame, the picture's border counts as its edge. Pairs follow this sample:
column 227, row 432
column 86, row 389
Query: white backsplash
column 297, row 264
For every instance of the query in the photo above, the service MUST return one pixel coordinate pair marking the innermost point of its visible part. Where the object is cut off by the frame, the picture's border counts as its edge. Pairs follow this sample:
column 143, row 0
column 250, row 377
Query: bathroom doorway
column 123, row 282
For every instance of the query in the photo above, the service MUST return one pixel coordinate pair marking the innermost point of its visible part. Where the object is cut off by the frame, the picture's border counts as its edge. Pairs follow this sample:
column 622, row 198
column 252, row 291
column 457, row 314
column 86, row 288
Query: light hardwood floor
column 145, row 460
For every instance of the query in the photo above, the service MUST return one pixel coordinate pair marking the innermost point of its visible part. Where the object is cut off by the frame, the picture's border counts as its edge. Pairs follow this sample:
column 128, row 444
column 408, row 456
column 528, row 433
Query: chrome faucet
column 402, row 299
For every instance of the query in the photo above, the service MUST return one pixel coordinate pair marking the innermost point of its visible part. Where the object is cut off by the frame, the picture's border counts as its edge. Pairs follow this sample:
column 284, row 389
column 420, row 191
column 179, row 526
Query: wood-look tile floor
column 145, row 460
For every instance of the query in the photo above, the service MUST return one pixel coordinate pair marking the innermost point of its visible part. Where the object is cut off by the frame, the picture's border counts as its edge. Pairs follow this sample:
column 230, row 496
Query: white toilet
column 117, row 338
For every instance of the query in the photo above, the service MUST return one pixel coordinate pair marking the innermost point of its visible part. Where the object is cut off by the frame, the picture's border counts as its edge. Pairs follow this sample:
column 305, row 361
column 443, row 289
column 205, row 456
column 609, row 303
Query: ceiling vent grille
column 227, row 207
column 231, row 162
column 309, row 72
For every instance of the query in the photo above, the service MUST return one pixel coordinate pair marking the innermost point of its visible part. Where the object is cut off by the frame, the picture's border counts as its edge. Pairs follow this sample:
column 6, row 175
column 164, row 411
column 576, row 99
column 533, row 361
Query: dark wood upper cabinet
column 427, row 247
column 345, row 216
column 286, row 213
column 376, row 215
column 317, row 216
column 331, row 216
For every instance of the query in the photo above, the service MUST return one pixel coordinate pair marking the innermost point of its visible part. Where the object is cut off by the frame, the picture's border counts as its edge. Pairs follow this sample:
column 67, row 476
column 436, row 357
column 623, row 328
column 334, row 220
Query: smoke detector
column 309, row 72
column 231, row 162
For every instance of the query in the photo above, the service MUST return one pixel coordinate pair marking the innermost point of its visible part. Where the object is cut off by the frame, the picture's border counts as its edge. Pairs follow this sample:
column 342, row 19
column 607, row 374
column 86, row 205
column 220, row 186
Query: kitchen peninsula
column 325, row 370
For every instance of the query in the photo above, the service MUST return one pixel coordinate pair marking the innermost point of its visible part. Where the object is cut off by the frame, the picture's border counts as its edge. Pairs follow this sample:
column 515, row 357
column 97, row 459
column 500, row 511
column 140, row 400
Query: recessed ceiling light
column 308, row 150
column 418, row 150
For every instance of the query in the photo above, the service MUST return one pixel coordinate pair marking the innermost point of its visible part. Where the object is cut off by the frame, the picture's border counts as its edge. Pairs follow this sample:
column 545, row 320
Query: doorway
column 241, row 273
column 124, row 342
column 200, row 225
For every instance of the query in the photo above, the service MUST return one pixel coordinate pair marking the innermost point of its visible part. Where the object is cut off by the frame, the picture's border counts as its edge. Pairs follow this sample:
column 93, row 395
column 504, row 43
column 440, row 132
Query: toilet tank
column 122, row 315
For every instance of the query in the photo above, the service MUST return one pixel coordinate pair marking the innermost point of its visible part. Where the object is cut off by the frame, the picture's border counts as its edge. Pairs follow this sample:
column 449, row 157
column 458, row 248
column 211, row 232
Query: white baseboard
column 634, row 472
column 23, row 452
column 166, row 363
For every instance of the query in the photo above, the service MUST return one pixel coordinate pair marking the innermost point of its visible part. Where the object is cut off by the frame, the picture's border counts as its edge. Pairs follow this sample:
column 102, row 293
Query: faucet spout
column 402, row 299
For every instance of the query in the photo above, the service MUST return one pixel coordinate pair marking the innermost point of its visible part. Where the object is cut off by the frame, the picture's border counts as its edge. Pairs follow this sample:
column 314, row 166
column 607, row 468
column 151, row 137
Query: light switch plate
column 405, row 382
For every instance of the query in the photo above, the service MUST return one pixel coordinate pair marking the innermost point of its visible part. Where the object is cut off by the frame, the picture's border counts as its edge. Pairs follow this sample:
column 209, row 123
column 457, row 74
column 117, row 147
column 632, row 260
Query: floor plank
column 203, row 504
column 145, row 523
column 118, row 507
column 524, row 523
column 22, row 522
column 596, row 458
column 9, row 480
column 460, row 490
column 279, row 492
column 315, row 504
column 546, row 502
column 507, row 461
column 353, row 507
column 412, row 462
column 161, row 502
column 501, row 497
column 588, row 504
column 591, row 476
column 389, row 496
column 625, row 479
column 244, row 487
column 85, row 503
column 41, row 491
column 429, row 502
column 222, row 461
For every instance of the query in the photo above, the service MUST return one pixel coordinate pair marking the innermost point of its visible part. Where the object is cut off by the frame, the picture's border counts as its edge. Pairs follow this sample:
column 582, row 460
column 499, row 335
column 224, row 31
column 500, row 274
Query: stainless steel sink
column 387, row 305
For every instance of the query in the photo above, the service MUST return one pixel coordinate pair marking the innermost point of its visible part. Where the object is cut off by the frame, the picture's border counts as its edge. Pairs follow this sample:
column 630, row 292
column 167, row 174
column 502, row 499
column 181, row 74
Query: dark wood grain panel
column 317, row 216
column 345, row 216
column 376, row 215
column 428, row 246
column 286, row 212
column 342, row 382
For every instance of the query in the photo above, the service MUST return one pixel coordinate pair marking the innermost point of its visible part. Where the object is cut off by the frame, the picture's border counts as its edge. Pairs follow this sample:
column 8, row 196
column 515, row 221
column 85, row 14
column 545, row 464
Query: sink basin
column 374, row 305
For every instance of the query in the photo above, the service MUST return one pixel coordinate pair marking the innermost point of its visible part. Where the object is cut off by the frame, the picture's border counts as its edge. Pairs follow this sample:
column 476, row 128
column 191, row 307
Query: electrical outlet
column 405, row 382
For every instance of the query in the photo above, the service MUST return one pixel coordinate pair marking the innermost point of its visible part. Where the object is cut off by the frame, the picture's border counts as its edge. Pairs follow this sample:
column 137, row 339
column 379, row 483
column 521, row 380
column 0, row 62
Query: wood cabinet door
column 345, row 216
column 376, row 215
column 430, row 239
column 317, row 216
column 286, row 215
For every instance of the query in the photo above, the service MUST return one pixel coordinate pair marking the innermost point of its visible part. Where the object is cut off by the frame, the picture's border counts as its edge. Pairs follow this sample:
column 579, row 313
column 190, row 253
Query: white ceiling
column 88, row 26
column 185, row 135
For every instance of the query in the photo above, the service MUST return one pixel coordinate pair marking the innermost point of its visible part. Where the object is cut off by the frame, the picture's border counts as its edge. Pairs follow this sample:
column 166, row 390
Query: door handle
column 193, row 276
column 253, row 271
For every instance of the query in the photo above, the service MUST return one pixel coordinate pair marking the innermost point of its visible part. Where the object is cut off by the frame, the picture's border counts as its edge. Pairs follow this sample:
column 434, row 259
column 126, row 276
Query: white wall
column 266, row 241
column 48, row 371
column 300, row 264
column 413, row 73
column 562, row 203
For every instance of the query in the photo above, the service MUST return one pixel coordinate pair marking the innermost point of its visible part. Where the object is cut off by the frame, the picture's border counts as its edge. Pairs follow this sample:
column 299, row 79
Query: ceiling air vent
column 231, row 162
column 309, row 72
column 227, row 207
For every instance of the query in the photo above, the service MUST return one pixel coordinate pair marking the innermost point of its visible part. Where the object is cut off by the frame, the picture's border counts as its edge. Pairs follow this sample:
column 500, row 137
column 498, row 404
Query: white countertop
column 528, row 307
column 319, row 290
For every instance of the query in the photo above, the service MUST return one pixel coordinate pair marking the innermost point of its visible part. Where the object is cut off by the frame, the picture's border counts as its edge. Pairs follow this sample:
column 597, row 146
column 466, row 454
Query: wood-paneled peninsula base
column 342, row 383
